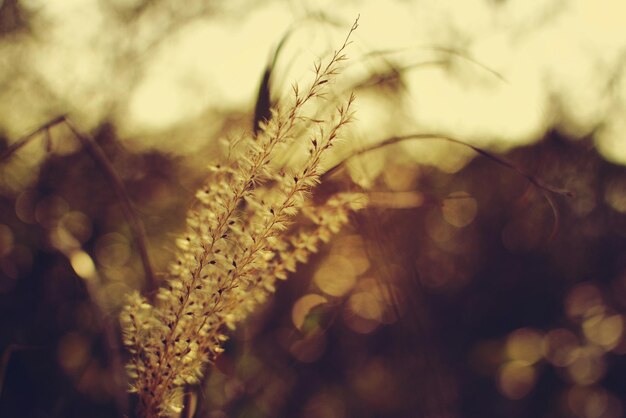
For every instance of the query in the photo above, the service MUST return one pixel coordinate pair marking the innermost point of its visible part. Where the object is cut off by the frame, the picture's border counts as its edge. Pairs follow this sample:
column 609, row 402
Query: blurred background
column 457, row 293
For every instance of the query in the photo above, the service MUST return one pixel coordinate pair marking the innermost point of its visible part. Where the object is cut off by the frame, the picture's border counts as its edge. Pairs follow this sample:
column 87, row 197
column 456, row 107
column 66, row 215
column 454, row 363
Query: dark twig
column 137, row 228
column 535, row 181
column 29, row 136
column 450, row 51
column 101, row 160
column 133, row 220
column 397, row 139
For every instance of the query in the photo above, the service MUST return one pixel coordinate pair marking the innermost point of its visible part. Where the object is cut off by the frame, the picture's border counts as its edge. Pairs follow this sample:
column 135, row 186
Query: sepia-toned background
column 463, row 290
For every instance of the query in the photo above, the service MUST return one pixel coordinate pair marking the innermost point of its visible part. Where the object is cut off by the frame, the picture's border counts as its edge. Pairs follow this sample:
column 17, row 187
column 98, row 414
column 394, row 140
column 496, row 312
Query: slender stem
column 499, row 160
column 546, row 189
column 30, row 136
column 96, row 153
column 133, row 220
column 101, row 160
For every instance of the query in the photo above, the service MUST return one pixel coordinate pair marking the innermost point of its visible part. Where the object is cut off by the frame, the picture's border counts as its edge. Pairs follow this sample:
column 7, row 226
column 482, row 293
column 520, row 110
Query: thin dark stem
column 101, row 160
column 499, row 160
column 449, row 51
column 133, row 220
column 546, row 189
column 111, row 338
column 30, row 136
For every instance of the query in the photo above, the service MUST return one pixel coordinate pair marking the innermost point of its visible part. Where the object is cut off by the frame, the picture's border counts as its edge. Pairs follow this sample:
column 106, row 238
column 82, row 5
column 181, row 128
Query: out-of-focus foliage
column 445, row 298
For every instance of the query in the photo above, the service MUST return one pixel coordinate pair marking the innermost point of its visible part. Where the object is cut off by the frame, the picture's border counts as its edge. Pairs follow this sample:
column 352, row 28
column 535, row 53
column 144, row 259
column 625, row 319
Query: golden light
column 396, row 200
column 459, row 209
column 524, row 345
column 588, row 366
column 50, row 210
column 559, row 347
column 516, row 379
column 191, row 72
column 61, row 239
column 336, row 276
column 584, row 300
column 439, row 229
column 615, row 194
column 487, row 109
column 352, row 247
column 593, row 402
column 83, row 265
column 114, row 293
column 501, row 97
column 447, row 157
column 357, row 323
column 364, row 169
column 366, row 305
column 376, row 301
column 309, row 348
column 400, row 178
column 303, row 307
column 605, row 331
column 77, row 224
column 25, row 206
column 113, row 250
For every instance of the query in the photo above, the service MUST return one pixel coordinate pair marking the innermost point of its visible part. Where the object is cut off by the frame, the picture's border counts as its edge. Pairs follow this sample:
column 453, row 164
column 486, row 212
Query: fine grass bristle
column 231, row 253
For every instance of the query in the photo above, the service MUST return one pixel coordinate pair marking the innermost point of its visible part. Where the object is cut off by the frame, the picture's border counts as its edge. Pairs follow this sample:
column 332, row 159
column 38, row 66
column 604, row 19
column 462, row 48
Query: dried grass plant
column 237, row 243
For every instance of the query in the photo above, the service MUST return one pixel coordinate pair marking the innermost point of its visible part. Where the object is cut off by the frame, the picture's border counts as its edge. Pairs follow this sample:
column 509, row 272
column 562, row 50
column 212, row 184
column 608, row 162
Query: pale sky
column 526, row 65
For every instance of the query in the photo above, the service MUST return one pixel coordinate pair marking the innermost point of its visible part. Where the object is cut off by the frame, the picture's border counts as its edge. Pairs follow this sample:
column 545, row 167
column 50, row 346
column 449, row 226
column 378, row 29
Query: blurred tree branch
column 94, row 150
column 546, row 189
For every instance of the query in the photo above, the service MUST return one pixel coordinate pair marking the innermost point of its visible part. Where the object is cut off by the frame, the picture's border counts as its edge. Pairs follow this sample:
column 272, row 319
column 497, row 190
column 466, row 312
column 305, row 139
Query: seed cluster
column 236, row 244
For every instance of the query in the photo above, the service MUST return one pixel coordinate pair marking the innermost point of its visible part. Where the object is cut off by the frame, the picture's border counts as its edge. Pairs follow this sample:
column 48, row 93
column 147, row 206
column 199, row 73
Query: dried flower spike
column 231, row 254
